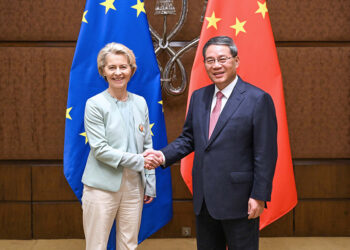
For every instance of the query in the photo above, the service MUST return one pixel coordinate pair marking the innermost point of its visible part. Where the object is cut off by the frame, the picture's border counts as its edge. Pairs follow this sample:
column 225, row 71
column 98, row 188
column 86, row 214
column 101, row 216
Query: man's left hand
column 255, row 208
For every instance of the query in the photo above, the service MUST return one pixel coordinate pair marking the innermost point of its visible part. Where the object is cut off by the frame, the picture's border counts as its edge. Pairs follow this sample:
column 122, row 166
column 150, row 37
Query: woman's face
column 117, row 71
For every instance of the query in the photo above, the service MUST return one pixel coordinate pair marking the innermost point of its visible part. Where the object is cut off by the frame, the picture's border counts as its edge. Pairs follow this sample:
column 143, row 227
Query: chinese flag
column 248, row 23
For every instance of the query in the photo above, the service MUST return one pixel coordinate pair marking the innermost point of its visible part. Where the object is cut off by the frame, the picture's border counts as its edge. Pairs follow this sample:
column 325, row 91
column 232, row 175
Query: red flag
column 248, row 23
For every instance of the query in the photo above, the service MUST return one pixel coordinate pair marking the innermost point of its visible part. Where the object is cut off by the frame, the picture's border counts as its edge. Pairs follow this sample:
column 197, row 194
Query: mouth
column 117, row 78
column 219, row 74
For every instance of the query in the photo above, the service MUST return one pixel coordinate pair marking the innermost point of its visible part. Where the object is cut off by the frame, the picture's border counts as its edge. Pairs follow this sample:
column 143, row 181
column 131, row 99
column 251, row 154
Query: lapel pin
column 141, row 128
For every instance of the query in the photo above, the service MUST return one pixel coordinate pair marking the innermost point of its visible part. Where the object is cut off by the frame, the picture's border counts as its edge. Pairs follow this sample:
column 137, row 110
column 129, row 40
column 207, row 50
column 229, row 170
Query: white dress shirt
column 227, row 91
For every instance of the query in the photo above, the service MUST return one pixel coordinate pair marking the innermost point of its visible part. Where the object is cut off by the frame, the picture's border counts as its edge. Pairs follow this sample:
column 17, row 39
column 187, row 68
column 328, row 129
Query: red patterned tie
column 216, row 112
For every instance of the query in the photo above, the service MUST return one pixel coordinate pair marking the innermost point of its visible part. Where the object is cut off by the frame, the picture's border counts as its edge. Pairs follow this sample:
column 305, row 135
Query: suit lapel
column 207, row 98
column 231, row 106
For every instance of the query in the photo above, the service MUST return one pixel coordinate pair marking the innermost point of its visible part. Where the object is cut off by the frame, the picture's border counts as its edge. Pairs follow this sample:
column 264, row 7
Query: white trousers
column 101, row 208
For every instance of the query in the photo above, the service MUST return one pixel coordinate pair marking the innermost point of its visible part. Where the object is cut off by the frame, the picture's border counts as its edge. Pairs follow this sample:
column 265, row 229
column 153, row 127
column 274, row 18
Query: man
column 231, row 126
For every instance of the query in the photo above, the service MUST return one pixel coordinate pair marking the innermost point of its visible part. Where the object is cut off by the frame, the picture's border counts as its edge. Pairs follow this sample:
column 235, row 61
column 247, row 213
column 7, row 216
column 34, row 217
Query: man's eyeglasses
column 221, row 60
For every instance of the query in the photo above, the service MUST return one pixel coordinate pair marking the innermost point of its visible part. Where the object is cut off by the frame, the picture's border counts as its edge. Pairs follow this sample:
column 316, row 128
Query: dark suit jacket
column 238, row 161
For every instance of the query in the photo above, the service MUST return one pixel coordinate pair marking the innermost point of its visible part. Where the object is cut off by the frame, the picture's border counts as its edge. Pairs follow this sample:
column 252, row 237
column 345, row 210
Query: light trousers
column 101, row 208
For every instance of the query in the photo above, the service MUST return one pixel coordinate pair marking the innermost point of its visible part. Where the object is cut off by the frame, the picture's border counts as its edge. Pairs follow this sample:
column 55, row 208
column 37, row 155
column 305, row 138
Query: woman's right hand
column 152, row 159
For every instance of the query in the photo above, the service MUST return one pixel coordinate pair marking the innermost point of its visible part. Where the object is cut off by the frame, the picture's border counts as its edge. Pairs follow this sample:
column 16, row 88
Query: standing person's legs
column 130, row 210
column 242, row 234
column 99, row 211
column 210, row 235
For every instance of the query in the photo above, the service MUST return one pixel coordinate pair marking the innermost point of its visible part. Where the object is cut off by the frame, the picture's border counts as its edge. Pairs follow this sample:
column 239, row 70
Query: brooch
column 141, row 128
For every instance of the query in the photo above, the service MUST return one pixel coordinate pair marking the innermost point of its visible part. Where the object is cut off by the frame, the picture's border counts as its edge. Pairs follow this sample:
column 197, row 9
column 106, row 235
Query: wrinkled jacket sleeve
column 265, row 147
column 150, row 189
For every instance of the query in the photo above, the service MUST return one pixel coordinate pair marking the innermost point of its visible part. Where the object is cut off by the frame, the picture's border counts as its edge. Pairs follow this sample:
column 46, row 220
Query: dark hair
column 221, row 40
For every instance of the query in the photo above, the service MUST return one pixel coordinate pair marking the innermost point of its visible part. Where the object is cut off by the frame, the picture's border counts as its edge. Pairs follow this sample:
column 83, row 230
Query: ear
column 133, row 70
column 103, row 73
column 237, row 61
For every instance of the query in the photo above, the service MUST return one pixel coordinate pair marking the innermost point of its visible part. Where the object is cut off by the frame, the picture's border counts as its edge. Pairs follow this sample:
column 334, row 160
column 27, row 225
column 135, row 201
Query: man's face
column 220, row 65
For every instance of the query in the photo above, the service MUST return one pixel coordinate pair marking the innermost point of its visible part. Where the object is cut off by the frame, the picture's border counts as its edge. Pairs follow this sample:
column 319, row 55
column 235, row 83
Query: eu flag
column 125, row 22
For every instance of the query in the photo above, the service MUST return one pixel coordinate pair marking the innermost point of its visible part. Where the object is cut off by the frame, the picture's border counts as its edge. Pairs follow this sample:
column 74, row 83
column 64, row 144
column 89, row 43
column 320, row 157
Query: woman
column 115, row 181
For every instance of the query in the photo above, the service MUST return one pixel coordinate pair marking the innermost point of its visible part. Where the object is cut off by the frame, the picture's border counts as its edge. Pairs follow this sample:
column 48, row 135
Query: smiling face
column 117, row 71
column 222, row 74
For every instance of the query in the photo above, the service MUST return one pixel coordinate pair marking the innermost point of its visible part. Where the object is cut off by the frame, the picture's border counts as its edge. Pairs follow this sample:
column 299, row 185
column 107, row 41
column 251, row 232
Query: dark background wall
column 37, row 42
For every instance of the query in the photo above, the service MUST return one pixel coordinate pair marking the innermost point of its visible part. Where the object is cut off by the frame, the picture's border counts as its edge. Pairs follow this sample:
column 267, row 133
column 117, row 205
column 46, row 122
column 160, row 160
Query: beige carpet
column 281, row 243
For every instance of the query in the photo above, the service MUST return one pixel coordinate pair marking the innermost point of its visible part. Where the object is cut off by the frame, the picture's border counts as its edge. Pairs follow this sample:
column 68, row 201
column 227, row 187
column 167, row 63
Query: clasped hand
column 153, row 158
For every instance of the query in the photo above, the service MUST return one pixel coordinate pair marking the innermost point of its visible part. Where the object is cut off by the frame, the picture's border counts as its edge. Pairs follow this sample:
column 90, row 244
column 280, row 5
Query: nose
column 216, row 64
column 117, row 71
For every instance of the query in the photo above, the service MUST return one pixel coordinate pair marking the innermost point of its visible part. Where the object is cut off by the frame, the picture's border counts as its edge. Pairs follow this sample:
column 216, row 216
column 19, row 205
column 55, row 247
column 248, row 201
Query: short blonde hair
column 116, row 49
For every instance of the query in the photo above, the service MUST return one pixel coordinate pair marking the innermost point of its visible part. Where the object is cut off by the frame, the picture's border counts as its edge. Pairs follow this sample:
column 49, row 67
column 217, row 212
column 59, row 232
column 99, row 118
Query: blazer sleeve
column 150, row 175
column 102, row 151
column 264, row 147
column 184, row 144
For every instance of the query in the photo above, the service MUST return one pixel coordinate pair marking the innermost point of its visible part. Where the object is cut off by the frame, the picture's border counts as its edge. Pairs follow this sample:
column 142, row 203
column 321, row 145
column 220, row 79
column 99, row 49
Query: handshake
column 153, row 158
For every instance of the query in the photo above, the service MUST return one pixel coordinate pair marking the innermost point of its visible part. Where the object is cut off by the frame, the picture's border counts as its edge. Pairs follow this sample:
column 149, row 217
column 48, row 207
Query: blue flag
column 125, row 22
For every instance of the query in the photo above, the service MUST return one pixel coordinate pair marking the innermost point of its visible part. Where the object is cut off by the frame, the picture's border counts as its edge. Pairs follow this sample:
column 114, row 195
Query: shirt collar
column 111, row 98
column 228, row 89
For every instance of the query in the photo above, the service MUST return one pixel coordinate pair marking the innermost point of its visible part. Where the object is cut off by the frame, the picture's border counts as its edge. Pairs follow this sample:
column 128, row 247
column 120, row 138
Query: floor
column 281, row 243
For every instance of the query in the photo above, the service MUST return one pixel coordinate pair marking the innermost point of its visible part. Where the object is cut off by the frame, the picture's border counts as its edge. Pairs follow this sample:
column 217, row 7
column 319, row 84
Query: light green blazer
column 107, row 135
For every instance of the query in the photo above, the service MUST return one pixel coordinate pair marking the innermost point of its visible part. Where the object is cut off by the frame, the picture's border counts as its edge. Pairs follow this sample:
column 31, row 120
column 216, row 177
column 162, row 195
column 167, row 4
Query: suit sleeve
column 95, row 131
column 184, row 144
column 264, row 147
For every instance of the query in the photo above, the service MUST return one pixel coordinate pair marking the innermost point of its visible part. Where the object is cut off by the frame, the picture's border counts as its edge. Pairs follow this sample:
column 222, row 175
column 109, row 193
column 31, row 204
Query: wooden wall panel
column 33, row 95
column 15, row 220
column 15, row 182
column 183, row 217
column 312, row 20
column 174, row 113
column 323, row 181
column 283, row 227
column 57, row 220
column 322, row 218
column 291, row 20
column 23, row 20
column 180, row 190
column 49, row 184
column 317, row 87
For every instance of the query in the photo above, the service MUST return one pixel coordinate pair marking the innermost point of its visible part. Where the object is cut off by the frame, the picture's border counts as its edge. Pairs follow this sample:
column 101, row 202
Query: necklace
column 123, row 99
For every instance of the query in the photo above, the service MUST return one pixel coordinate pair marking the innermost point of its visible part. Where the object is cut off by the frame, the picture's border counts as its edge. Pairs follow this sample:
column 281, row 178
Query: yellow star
column 84, row 19
column 84, row 134
column 262, row 9
column 151, row 126
column 140, row 7
column 161, row 103
column 239, row 26
column 109, row 5
column 212, row 21
column 67, row 113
